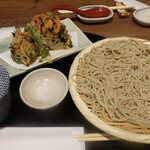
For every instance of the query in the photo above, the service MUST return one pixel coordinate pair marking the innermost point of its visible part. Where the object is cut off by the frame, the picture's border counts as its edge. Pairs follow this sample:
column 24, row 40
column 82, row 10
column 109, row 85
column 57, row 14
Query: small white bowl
column 43, row 88
column 95, row 20
column 142, row 16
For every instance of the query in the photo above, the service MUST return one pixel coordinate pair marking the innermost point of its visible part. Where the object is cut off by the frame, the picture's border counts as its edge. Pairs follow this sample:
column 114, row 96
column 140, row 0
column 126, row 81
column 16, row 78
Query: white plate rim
column 139, row 20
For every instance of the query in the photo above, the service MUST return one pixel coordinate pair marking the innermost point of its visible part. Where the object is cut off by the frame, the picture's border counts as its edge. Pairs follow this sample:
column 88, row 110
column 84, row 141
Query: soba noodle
column 114, row 78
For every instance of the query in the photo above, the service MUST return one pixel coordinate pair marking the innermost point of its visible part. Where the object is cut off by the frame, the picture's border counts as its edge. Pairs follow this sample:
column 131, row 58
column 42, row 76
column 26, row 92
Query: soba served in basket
column 109, row 82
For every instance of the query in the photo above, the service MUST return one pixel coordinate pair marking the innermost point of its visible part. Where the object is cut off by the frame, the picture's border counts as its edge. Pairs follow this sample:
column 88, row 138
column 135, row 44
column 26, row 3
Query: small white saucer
column 142, row 16
column 95, row 20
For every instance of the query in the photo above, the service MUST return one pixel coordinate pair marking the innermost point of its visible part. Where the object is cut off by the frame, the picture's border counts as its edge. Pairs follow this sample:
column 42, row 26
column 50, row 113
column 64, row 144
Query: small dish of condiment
column 96, row 20
column 142, row 16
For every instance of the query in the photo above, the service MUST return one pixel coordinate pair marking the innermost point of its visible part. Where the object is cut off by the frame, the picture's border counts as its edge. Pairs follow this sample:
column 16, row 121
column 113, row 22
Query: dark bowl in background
column 5, row 94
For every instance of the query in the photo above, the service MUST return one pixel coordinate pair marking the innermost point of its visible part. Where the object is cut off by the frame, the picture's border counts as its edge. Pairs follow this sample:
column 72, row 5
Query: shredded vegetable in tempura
column 44, row 33
column 54, row 32
column 23, row 49
column 43, row 48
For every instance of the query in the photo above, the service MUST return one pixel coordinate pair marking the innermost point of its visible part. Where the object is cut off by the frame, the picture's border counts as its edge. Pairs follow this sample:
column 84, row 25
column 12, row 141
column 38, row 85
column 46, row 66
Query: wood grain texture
column 18, row 13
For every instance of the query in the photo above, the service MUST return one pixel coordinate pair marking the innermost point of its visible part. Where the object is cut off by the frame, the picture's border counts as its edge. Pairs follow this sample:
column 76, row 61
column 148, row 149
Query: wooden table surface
column 18, row 13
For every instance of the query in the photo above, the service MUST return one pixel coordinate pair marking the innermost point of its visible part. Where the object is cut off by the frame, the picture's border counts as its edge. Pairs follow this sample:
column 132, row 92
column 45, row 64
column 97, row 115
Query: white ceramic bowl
column 95, row 20
column 142, row 16
column 43, row 88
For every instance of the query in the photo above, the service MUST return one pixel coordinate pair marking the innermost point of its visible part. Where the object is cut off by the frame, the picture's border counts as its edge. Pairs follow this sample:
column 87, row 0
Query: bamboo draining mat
column 121, row 130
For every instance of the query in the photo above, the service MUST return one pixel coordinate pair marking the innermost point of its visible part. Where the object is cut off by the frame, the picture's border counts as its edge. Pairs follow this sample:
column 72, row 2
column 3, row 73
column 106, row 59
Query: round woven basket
column 124, row 130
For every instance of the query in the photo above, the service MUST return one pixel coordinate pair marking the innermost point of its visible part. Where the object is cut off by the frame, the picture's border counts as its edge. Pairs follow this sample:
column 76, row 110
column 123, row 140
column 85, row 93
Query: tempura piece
column 43, row 48
column 44, row 33
column 53, row 31
column 23, row 49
